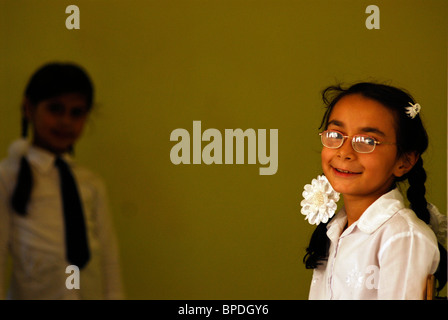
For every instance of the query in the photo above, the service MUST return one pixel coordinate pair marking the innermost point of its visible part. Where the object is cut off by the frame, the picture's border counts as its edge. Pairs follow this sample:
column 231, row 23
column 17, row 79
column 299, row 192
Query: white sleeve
column 405, row 261
column 4, row 236
column 109, row 248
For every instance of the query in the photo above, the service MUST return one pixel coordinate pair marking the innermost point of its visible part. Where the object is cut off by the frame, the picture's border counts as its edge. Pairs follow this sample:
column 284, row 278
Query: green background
column 221, row 231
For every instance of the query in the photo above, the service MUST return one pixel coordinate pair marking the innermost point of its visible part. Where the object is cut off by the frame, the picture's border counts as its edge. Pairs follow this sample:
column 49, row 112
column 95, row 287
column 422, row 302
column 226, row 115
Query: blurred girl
column 35, row 227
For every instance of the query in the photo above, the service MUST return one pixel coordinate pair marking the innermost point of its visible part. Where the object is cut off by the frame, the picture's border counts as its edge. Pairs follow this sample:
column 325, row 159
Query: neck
column 49, row 148
column 355, row 207
column 354, row 210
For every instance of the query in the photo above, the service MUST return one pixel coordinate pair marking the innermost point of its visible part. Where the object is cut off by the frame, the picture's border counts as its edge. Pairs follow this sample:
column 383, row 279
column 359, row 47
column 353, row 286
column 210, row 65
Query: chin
column 60, row 148
column 340, row 187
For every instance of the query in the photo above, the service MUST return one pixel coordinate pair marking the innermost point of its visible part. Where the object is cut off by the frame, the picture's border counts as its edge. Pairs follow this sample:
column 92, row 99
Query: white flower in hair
column 319, row 203
column 413, row 110
column 19, row 148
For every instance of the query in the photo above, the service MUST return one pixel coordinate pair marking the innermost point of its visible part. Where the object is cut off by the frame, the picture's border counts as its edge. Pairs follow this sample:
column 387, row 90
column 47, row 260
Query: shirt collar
column 375, row 215
column 43, row 160
column 380, row 211
column 337, row 225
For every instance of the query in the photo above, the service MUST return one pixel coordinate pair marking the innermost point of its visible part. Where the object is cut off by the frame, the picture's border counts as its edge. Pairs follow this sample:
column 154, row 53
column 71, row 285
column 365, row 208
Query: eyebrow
column 365, row 129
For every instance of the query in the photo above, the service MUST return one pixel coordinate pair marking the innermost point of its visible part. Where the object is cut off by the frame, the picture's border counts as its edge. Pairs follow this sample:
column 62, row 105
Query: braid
column 416, row 191
column 416, row 196
column 24, row 127
column 318, row 247
column 22, row 192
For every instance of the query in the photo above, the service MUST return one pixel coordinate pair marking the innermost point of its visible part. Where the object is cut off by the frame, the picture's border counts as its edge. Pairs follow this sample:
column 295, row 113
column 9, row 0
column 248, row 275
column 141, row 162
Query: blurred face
column 58, row 122
column 362, row 175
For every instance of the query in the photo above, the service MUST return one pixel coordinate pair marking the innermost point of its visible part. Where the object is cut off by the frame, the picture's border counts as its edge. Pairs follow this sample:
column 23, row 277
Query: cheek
column 379, row 167
column 78, row 126
column 43, row 123
column 326, row 154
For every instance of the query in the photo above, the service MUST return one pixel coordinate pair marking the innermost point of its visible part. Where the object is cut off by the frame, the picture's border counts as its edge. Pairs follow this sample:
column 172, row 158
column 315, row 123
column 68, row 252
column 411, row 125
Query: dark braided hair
column 411, row 138
column 48, row 81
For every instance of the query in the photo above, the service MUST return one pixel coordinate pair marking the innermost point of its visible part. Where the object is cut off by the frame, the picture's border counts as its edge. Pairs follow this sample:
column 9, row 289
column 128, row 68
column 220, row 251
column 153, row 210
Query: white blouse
column 36, row 242
column 386, row 254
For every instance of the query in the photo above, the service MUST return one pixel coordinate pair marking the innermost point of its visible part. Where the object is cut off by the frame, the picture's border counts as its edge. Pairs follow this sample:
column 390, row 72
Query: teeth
column 343, row 171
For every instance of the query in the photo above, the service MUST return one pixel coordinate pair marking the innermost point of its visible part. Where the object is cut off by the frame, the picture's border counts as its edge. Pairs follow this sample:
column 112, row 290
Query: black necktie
column 75, row 228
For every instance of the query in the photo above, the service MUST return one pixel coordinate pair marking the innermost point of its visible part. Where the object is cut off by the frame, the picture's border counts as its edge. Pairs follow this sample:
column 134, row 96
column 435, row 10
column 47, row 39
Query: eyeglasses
column 360, row 143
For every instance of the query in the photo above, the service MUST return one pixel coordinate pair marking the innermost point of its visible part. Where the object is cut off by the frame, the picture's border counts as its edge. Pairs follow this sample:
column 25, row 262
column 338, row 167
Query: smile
column 345, row 171
column 63, row 134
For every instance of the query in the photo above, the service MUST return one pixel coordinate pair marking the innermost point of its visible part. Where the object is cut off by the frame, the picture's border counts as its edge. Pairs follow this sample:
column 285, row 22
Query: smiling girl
column 375, row 247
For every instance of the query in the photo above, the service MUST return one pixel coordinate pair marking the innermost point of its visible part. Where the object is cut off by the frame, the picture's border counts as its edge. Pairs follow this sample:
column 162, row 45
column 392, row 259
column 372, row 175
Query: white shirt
column 386, row 254
column 36, row 241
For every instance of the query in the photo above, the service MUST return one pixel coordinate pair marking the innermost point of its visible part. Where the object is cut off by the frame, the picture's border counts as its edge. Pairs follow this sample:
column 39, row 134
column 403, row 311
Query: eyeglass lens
column 334, row 140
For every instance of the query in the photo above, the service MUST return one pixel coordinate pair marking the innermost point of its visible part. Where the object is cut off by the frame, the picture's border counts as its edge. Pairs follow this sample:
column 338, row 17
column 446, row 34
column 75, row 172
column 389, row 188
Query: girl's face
column 58, row 122
column 362, row 175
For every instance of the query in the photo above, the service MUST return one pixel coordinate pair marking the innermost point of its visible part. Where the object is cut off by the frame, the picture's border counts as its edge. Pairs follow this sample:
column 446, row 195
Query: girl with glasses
column 374, row 247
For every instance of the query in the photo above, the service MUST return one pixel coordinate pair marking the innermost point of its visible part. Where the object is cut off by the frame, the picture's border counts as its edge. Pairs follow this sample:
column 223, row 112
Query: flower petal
column 319, row 203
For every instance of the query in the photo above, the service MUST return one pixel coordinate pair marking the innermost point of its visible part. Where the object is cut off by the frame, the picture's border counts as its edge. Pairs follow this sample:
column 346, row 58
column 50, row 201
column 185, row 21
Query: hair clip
column 413, row 110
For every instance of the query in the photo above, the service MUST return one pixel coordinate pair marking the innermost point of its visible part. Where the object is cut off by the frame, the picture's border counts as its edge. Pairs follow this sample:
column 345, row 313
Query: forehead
column 356, row 112
column 69, row 100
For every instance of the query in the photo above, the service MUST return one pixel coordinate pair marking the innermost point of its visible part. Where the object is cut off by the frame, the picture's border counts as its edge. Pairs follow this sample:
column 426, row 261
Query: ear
column 405, row 163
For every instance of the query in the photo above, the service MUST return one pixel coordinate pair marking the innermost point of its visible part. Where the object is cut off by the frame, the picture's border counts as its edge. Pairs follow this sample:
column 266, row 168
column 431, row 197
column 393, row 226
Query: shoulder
column 9, row 168
column 86, row 177
column 9, row 165
column 405, row 225
column 389, row 218
column 406, row 219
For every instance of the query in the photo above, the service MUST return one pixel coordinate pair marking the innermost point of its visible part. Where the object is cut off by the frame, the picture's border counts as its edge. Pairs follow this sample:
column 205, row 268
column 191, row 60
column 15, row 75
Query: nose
column 65, row 118
column 346, row 151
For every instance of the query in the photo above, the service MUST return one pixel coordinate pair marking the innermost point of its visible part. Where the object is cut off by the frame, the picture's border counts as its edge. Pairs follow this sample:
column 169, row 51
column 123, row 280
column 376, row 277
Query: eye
column 78, row 112
column 364, row 139
column 333, row 135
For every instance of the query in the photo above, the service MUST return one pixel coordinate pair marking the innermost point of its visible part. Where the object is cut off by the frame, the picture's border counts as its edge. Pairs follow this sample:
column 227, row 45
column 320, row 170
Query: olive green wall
column 221, row 231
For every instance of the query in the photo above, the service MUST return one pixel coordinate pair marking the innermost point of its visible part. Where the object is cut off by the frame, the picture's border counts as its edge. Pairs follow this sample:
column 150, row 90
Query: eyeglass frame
column 353, row 146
